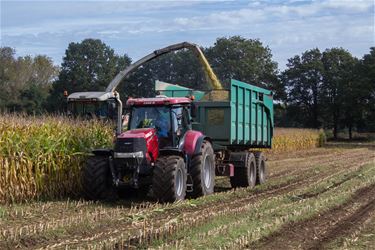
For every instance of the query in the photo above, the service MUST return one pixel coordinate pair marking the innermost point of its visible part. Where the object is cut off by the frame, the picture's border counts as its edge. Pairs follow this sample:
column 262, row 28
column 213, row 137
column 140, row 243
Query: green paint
column 248, row 117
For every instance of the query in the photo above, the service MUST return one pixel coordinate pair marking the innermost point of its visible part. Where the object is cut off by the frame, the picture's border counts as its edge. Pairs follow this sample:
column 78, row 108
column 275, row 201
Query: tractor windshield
column 151, row 117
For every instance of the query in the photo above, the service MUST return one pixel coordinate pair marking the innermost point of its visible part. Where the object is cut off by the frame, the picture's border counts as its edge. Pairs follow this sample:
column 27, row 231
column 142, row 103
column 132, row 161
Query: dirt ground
column 313, row 199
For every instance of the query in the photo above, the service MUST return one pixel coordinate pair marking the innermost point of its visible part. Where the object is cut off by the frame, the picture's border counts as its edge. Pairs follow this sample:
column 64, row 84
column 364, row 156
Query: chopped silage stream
column 135, row 223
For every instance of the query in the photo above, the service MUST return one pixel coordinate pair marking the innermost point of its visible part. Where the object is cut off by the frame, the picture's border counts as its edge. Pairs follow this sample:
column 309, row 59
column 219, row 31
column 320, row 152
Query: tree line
column 318, row 89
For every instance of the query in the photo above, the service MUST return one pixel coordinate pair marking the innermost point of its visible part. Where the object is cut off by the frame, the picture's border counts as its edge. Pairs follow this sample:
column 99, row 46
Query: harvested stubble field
column 314, row 198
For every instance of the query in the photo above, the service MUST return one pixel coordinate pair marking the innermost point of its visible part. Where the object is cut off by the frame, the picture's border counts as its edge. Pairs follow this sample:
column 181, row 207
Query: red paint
column 191, row 139
column 231, row 169
column 153, row 147
column 158, row 101
column 137, row 133
column 149, row 134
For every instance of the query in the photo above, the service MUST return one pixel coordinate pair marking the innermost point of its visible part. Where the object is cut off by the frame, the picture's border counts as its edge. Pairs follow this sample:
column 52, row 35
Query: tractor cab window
column 180, row 118
column 152, row 117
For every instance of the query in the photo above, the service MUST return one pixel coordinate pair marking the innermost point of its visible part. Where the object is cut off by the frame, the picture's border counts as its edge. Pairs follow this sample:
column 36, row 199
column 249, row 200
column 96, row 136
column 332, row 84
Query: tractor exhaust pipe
column 119, row 114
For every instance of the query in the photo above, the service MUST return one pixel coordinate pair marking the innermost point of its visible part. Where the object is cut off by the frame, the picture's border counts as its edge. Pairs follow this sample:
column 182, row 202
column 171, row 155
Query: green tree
column 24, row 75
column 245, row 60
column 302, row 80
column 33, row 98
column 337, row 85
column 366, row 80
column 7, row 73
column 87, row 66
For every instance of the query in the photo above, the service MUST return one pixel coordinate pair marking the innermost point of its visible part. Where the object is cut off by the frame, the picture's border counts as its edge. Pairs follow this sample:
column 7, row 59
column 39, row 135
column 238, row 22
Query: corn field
column 41, row 158
column 326, row 194
column 292, row 139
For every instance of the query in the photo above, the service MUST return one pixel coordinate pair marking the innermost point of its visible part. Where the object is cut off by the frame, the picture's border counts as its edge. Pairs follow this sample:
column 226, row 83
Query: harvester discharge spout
column 211, row 77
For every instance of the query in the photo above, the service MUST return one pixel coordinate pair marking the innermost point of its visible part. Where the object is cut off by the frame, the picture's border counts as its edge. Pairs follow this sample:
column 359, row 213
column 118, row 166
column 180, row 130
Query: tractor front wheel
column 96, row 179
column 169, row 179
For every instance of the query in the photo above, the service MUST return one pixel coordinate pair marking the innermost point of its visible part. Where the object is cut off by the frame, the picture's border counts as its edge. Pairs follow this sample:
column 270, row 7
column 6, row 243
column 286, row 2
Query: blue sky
column 137, row 27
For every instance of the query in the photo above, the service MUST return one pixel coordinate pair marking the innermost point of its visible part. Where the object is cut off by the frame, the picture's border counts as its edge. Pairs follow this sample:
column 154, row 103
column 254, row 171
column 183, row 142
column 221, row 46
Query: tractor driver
column 162, row 126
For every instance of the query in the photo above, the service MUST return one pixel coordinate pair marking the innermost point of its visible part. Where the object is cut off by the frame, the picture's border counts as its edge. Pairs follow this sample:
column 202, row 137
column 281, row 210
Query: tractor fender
column 193, row 142
column 198, row 146
column 102, row 152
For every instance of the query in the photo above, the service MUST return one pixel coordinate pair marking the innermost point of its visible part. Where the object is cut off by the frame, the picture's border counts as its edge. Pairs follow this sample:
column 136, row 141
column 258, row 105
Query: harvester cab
column 101, row 105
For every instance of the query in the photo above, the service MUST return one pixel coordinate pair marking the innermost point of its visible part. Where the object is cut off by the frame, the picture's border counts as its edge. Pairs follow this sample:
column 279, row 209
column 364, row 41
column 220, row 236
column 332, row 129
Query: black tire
column 260, row 159
column 169, row 179
column 97, row 181
column 203, row 175
column 245, row 175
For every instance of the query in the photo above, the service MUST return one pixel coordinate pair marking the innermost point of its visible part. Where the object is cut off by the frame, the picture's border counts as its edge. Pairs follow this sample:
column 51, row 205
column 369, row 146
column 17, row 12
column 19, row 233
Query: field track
column 322, row 197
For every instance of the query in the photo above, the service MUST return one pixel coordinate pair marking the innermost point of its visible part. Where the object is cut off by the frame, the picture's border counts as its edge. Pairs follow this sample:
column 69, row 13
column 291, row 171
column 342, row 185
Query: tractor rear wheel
column 203, row 171
column 245, row 176
column 261, row 167
column 96, row 179
column 169, row 179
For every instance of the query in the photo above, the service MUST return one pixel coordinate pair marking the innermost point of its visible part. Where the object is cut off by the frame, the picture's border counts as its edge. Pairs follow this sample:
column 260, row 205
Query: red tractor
column 158, row 150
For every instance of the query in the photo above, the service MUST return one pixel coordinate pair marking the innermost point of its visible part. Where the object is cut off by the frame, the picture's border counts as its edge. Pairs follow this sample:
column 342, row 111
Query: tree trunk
column 335, row 131
column 315, row 107
column 350, row 131
column 335, row 126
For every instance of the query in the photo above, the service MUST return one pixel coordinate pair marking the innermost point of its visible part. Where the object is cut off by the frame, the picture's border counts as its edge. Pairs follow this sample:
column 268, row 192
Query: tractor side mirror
column 125, row 121
column 125, row 117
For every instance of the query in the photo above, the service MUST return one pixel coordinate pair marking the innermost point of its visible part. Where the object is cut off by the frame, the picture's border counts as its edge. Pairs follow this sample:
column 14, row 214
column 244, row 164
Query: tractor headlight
column 138, row 154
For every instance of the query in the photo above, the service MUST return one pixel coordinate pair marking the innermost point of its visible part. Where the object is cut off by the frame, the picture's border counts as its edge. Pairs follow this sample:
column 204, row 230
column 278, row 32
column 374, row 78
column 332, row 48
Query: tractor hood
column 138, row 133
column 137, row 143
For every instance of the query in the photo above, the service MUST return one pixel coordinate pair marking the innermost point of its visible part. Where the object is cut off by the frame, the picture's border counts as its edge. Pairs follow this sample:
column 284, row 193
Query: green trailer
column 238, row 122
column 238, row 118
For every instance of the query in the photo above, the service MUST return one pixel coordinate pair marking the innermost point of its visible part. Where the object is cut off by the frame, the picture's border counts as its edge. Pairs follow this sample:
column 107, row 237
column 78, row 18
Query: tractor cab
column 169, row 117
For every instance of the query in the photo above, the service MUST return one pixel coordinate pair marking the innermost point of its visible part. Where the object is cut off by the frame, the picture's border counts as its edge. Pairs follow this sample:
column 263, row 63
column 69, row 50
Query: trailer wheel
column 169, row 179
column 203, row 171
column 245, row 176
column 96, row 180
column 261, row 167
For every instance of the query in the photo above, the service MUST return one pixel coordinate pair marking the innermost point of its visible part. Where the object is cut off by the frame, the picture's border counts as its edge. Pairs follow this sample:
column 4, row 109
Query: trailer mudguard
column 238, row 159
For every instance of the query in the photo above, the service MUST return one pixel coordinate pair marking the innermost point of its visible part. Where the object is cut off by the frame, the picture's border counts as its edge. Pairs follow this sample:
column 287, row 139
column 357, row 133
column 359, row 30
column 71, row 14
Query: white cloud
column 354, row 5
column 288, row 27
